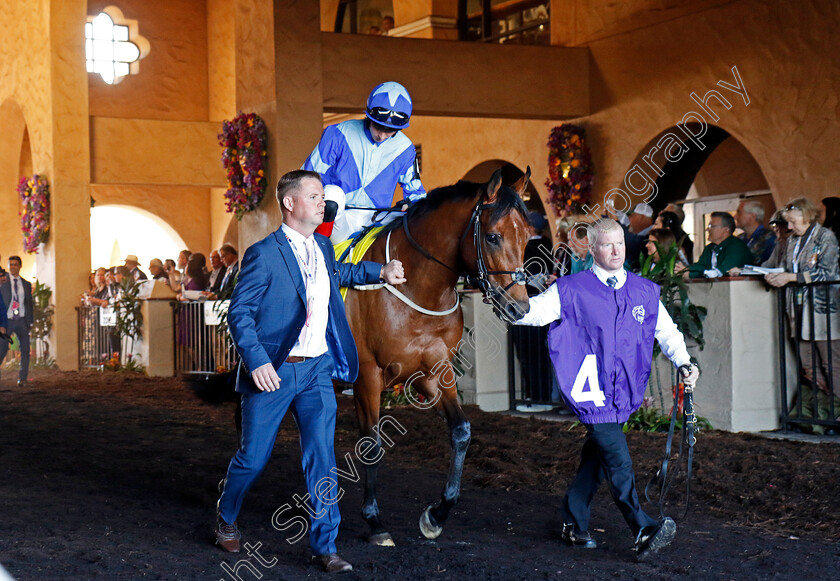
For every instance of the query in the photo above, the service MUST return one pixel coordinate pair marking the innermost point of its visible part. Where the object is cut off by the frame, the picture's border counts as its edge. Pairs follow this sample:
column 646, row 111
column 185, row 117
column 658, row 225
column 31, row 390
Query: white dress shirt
column 545, row 308
column 315, row 335
column 16, row 280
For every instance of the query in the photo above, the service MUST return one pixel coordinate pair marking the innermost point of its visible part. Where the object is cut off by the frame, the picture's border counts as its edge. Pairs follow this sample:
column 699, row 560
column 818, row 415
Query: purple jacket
column 602, row 346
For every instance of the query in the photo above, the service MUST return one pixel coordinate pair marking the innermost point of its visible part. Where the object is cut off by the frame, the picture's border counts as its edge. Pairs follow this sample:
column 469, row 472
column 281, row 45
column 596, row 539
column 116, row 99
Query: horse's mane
column 507, row 200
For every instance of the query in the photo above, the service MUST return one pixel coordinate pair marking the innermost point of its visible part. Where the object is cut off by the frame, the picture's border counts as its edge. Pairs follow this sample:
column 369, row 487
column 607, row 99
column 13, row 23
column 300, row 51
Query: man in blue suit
column 17, row 299
column 287, row 320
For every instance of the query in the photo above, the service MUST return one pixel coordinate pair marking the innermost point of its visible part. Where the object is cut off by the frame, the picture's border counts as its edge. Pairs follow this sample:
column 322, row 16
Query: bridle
column 492, row 292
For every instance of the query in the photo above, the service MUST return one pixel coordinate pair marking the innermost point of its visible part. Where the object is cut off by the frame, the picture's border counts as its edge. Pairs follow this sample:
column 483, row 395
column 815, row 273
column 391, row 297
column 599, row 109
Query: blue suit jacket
column 268, row 307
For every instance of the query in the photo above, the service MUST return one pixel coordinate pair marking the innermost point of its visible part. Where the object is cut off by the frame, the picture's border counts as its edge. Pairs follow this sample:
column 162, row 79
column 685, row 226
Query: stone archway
column 510, row 173
column 713, row 165
column 674, row 164
column 15, row 162
column 231, row 234
column 117, row 230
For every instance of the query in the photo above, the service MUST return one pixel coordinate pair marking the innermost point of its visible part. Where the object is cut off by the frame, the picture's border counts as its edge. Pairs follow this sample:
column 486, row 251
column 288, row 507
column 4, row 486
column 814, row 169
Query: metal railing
column 812, row 400
column 531, row 377
column 202, row 343
column 99, row 342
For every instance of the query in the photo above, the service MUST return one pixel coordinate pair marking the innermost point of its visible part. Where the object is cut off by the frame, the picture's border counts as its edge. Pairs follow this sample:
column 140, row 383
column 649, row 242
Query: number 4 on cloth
column 588, row 373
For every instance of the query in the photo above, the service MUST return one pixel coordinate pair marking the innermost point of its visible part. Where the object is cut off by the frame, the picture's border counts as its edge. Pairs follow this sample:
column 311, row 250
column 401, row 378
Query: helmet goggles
column 388, row 117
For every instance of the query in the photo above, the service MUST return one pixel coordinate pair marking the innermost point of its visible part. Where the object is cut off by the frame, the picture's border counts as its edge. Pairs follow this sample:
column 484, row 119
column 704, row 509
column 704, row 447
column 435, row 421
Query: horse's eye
column 493, row 239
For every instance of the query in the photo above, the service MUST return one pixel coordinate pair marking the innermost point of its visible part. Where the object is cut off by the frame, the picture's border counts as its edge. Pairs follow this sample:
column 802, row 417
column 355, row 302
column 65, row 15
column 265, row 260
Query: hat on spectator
column 131, row 258
column 537, row 220
column 643, row 209
column 778, row 217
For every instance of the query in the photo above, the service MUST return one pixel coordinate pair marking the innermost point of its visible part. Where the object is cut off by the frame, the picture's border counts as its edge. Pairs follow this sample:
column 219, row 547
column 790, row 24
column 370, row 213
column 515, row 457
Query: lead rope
column 688, row 437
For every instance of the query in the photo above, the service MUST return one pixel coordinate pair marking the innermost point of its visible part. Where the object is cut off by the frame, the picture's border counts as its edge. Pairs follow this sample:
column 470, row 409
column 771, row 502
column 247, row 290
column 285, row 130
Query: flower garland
column 243, row 155
column 34, row 195
column 570, row 171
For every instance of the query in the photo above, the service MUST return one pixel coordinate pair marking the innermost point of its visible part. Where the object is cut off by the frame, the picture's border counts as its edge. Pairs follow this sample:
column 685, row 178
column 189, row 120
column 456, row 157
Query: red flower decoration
column 570, row 170
column 243, row 151
column 34, row 195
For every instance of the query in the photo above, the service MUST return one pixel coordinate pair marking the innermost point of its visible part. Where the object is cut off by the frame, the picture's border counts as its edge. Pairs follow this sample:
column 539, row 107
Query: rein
column 491, row 291
column 688, row 438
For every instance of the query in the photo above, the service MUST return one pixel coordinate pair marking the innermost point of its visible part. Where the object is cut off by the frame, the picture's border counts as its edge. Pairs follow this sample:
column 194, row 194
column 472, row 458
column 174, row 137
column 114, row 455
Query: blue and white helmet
column 389, row 104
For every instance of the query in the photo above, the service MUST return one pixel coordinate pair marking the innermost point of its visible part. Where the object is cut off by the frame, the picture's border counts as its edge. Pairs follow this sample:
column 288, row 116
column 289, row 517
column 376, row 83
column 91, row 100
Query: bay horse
column 479, row 230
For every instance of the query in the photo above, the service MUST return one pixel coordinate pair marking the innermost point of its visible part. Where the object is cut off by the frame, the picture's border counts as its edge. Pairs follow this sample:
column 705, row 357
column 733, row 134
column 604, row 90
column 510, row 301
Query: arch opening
column 15, row 162
column 714, row 178
column 510, row 173
column 117, row 230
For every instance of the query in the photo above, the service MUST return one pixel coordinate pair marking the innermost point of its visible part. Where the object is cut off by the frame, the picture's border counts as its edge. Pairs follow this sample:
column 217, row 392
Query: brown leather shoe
column 332, row 563
column 227, row 536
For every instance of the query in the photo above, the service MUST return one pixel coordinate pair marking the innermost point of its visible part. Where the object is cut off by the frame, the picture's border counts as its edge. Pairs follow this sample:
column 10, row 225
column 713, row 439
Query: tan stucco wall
column 221, row 60
column 642, row 82
column 12, row 160
column 284, row 86
column 143, row 151
column 186, row 209
column 45, row 81
column 452, row 146
column 172, row 82
column 458, row 79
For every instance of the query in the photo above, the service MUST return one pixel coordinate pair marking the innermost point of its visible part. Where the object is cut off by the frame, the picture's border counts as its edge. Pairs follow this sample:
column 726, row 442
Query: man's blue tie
column 612, row 281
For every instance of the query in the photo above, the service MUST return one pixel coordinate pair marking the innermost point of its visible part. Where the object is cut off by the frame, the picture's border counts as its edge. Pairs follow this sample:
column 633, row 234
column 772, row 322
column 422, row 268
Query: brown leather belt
column 296, row 359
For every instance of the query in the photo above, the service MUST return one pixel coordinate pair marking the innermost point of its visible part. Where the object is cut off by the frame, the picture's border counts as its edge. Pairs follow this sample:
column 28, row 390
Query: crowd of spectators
column 189, row 277
column 798, row 245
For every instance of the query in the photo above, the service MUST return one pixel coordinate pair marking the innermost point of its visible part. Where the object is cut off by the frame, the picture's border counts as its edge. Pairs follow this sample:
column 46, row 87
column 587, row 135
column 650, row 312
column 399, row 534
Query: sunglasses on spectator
column 790, row 207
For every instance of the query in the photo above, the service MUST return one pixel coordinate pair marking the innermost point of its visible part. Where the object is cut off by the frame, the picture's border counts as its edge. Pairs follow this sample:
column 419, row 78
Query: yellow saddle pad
column 357, row 253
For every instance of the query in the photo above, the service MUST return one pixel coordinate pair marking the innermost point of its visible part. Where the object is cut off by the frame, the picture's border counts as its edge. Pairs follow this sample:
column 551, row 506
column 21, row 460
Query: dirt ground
column 106, row 476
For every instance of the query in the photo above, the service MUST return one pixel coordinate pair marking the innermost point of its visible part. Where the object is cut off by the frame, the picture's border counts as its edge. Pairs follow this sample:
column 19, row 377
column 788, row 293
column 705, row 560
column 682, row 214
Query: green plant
column 650, row 419
column 397, row 396
column 42, row 316
column 674, row 295
column 41, row 362
column 129, row 314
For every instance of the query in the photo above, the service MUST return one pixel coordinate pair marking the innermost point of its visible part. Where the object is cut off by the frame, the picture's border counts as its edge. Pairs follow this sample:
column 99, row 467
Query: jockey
column 361, row 162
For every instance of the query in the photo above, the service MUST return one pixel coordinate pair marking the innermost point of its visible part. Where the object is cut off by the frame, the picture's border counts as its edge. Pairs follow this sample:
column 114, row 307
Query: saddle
column 353, row 250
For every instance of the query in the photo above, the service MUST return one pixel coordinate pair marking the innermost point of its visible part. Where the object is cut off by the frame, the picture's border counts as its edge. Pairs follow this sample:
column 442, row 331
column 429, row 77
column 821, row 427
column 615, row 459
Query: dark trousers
column 604, row 453
column 305, row 388
column 21, row 329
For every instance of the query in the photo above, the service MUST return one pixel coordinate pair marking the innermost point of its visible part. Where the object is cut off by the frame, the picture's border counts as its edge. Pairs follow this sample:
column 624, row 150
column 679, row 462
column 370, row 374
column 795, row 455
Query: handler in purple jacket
column 603, row 324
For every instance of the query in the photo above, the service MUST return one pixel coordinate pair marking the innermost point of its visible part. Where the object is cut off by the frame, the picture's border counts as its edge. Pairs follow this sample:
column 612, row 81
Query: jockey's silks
column 602, row 345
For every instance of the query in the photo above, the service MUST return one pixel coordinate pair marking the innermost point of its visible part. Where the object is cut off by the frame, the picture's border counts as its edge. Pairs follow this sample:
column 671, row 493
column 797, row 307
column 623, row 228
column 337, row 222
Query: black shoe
column 227, row 536
column 22, row 383
column 582, row 540
column 332, row 563
column 651, row 539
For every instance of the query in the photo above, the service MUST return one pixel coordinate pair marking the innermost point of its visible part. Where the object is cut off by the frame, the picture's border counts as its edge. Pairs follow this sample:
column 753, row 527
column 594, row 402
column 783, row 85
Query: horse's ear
column 522, row 182
column 492, row 187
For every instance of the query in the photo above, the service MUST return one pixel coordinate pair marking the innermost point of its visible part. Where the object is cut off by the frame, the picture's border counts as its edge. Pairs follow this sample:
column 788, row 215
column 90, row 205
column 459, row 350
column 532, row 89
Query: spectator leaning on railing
column 780, row 228
column 723, row 252
column 750, row 218
column 811, row 256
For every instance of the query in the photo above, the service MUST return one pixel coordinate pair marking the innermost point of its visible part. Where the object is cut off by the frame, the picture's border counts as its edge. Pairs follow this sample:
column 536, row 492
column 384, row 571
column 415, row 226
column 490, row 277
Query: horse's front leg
column 366, row 392
column 434, row 517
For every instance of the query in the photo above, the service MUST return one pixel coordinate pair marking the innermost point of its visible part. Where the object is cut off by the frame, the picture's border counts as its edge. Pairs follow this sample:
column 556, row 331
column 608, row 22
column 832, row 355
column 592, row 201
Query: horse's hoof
column 429, row 530
column 381, row 540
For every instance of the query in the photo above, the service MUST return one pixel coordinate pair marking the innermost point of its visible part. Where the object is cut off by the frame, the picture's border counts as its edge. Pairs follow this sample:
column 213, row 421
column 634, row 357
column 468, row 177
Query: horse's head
column 500, row 232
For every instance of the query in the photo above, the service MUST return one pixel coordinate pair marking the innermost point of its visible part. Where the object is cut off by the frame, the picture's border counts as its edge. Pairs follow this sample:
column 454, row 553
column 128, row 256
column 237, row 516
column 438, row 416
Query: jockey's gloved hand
column 689, row 373
column 330, row 211
column 403, row 205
